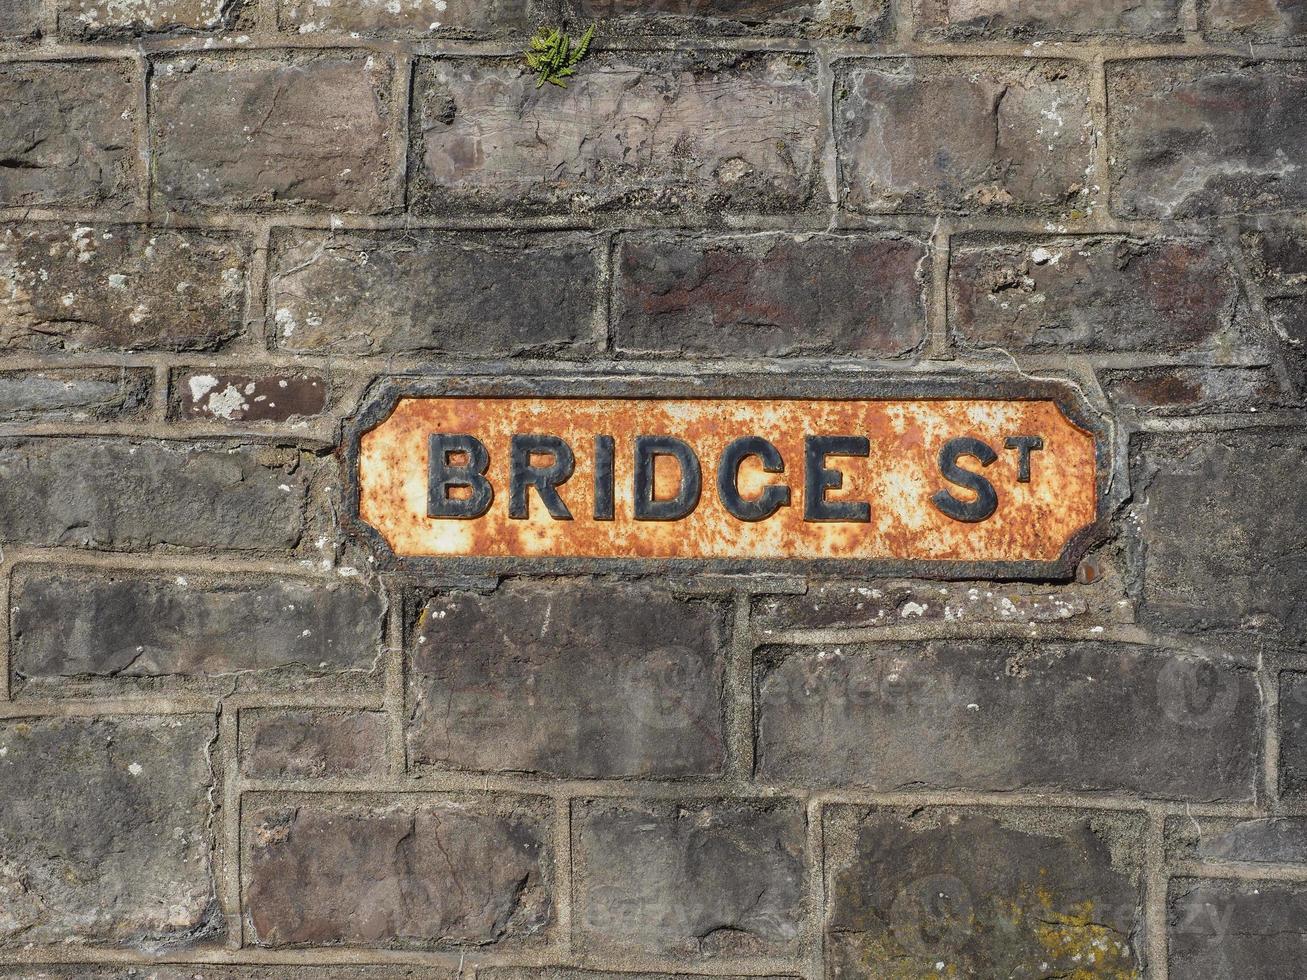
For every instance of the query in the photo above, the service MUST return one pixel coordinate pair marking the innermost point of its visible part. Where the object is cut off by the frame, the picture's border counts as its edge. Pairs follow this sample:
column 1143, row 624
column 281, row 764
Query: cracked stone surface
column 1230, row 930
column 117, row 494
column 1095, row 294
column 1022, row 19
column 658, row 132
column 770, row 295
column 91, row 805
column 994, row 716
column 67, row 135
column 694, row 879
column 460, row 18
column 1203, row 136
column 572, row 680
column 1003, row 893
column 120, row 628
column 115, row 287
column 968, row 135
column 306, row 131
column 418, row 873
column 474, row 294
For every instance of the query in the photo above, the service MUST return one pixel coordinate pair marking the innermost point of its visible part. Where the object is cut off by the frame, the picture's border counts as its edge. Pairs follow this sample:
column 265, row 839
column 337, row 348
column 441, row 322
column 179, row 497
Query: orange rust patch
column 1033, row 521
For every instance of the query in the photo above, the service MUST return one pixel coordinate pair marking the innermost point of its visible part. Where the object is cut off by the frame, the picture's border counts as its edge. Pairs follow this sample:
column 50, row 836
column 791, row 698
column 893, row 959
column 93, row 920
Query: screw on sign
column 895, row 479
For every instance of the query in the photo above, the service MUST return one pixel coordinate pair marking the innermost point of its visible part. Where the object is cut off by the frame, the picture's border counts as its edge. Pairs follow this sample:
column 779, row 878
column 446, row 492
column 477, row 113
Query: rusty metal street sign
column 941, row 480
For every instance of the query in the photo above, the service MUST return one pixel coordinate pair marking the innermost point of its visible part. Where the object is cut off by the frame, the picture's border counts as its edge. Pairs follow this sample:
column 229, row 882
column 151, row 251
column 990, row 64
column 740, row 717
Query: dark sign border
column 384, row 394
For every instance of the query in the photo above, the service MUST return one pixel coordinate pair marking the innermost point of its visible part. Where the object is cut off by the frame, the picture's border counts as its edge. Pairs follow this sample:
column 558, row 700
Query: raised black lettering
column 1024, row 445
column 647, row 449
column 773, row 497
column 818, row 478
column 441, row 476
column 986, row 502
column 603, row 509
column 545, row 479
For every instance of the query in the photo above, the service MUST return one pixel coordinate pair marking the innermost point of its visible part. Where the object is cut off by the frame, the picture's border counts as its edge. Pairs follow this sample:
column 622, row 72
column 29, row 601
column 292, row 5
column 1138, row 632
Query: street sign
column 940, row 481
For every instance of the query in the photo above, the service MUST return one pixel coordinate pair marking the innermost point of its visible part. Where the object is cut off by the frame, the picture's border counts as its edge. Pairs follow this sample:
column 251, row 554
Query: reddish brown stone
column 418, row 871
column 304, row 743
column 217, row 395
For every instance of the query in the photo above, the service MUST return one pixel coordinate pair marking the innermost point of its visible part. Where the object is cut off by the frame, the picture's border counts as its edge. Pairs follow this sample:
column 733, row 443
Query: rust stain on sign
column 929, row 479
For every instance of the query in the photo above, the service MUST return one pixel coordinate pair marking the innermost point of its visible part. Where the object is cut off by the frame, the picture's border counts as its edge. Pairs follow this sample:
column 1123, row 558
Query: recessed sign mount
column 933, row 478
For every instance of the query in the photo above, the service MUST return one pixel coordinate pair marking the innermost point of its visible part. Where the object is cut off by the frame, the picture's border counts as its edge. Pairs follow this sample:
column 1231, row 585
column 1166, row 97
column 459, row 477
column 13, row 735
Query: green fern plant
column 554, row 56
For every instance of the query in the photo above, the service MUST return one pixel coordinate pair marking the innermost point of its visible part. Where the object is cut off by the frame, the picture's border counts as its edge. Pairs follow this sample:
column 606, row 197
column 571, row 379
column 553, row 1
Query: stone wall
column 231, row 748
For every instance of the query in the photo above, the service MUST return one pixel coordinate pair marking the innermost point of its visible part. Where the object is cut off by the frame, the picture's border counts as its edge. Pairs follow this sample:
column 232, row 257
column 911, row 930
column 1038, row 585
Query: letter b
column 441, row 476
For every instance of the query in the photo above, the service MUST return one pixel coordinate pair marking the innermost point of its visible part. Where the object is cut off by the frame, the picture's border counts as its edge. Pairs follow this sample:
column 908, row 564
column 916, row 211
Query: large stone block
column 128, row 494
column 75, row 287
column 67, row 135
column 461, row 293
column 1293, row 734
column 415, row 872
column 460, row 18
column 770, row 295
column 99, row 19
column 89, row 395
column 1095, row 295
column 104, row 831
column 1002, row 716
column 654, row 131
column 569, row 679
column 865, row 20
column 304, row 743
column 1263, row 20
column 958, row 134
column 20, row 20
column 690, row 879
column 118, row 628
column 1053, row 19
column 1222, row 530
column 1190, row 138
column 1004, row 892
column 1236, row 930
column 262, row 130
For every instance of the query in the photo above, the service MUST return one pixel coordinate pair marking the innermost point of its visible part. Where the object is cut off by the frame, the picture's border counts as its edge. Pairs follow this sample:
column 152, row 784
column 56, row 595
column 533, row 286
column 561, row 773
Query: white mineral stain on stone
column 226, row 403
column 912, row 609
column 135, row 769
column 201, row 385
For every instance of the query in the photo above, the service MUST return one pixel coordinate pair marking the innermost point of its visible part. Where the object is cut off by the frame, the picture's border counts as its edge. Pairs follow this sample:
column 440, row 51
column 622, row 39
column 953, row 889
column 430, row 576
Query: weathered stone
column 654, row 131
column 128, row 18
column 264, row 396
column 1257, row 19
column 1197, row 137
column 1236, row 930
column 67, row 134
column 104, row 835
column 69, row 287
column 1003, row 892
column 127, row 494
column 575, row 680
column 20, row 19
column 1222, row 532
column 1093, row 294
column 829, row 604
column 1265, row 840
column 91, row 395
column 303, row 744
column 461, row 18
column 1293, row 734
column 968, row 134
column 89, row 625
column 418, row 872
column 1191, row 390
column 1052, row 19
column 1003, row 715
column 771, row 295
column 266, row 131
column 690, row 879
column 565, row 973
column 211, row 971
column 865, row 19
column 461, row 293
